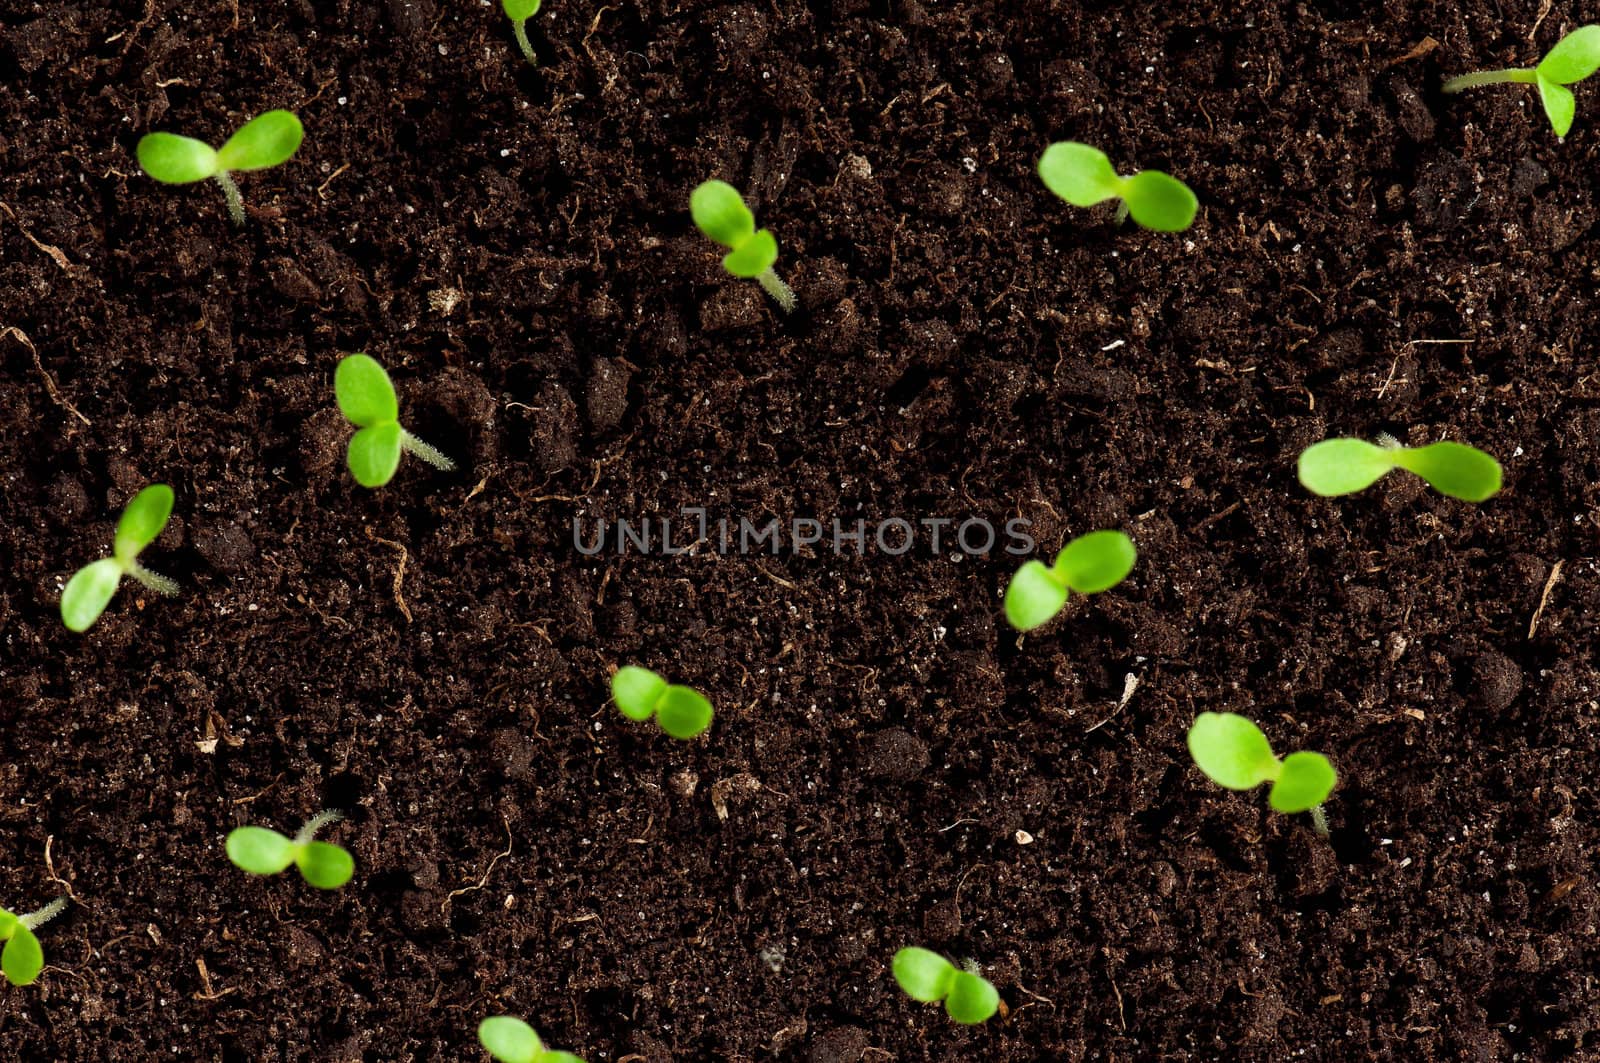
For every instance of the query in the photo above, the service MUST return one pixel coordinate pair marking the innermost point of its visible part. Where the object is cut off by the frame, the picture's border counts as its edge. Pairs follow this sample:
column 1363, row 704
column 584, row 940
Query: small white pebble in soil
column 1024, row 838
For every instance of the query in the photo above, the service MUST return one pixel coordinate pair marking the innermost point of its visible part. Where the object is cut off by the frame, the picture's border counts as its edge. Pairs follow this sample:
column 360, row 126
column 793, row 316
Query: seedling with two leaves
column 366, row 398
column 1344, row 466
column 510, row 1040
column 1233, row 753
column 967, row 996
column 261, row 851
column 1088, row 564
column 1575, row 57
column 519, row 12
column 23, row 957
column 1084, row 177
column 90, row 589
column 680, row 711
column 263, row 142
column 720, row 214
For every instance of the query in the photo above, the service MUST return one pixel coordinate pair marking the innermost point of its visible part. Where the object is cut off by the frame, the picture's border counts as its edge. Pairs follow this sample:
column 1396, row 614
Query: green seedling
column 1575, row 57
column 927, row 976
column 519, row 12
column 266, row 852
column 1084, row 177
column 720, row 213
column 89, row 590
column 367, row 399
column 23, row 957
column 1344, row 466
column 511, row 1040
column 261, row 143
column 1088, row 564
column 680, row 711
column 1232, row 752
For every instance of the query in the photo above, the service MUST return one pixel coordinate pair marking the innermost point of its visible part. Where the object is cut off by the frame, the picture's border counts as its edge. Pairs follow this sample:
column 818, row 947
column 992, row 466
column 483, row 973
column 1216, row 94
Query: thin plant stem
column 412, row 445
column 154, row 580
column 316, row 823
column 1490, row 77
column 1122, row 212
column 781, row 292
column 521, row 31
column 33, row 920
column 1319, row 822
column 235, row 201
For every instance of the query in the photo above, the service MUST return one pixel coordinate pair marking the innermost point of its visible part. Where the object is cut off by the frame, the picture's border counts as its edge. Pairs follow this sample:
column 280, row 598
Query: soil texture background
column 513, row 242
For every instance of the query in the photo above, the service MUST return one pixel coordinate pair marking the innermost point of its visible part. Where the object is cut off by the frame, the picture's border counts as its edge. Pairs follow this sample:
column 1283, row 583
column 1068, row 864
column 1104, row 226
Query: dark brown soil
column 514, row 244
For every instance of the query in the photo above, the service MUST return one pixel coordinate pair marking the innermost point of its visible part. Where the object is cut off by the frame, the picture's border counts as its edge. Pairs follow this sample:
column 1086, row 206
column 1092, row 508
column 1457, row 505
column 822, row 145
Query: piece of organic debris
column 1088, row 564
column 89, row 590
column 265, row 141
column 366, row 398
column 1343, row 466
column 1084, row 177
column 720, row 213
column 679, row 711
column 927, row 976
column 519, row 12
column 1575, row 57
column 1233, row 753
column 23, row 957
column 266, row 852
column 511, row 1040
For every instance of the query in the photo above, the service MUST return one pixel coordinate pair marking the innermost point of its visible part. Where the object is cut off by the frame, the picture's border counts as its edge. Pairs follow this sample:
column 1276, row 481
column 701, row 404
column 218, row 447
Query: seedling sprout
column 679, row 711
column 265, row 141
column 968, row 997
column 1575, row 57
column 367, row 399
column 1233, row 753
column 1084, row 177
column 23, row 957
column 266, row 852
column 519, row 12
column 1344, row 466
column 510, row 1040
column 720, row 213
column 1088, row 564
column 89, row 590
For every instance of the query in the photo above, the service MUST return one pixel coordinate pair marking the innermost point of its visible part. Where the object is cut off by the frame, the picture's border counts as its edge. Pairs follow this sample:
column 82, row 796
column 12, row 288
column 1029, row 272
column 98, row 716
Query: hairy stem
column 235, row 201
column 33, row 920
column 1122, row 212
column 521, row 31
column 1319, row 822
column 412, row 445
column 1489, row 77
column 781, row 292
column 154, row 580
column 316, row 823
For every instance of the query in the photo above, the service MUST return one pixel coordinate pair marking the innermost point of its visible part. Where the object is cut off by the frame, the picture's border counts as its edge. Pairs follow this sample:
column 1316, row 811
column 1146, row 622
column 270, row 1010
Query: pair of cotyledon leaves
column 1343, row 466
column 510, row 1040
column 262, row 142
column 262, row 851
column 929, row 977
column 1088, row 564
column 91, row 588
column 1234, row 753
column 682, row 712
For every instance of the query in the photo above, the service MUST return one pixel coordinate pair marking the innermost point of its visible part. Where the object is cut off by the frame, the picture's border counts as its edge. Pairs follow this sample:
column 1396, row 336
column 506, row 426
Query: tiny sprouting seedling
column 720, row 213
column 519, row 12
column 1232, row 752
column 265, row 141
column 266, row 852
column 927, row 976
column 89, row 590
column 367, row 399
column 1575, row 57
column 1084, row 177
column 1088, row 564
column 1344, row 466
column 23, row 957
column 510, row 1040
column 681, row 712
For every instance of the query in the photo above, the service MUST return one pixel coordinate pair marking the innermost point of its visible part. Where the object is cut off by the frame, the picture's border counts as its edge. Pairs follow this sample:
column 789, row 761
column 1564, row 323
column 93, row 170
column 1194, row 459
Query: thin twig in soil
column 49, row 382
column 399, row 572
column 484, row 881
column 1544, row 597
